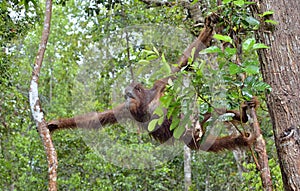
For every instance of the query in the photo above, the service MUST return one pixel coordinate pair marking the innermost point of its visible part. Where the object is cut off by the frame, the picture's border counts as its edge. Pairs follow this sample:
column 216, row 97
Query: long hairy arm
column 136, row 107
column 231, row 142
column 92, row 120
column 217, row 144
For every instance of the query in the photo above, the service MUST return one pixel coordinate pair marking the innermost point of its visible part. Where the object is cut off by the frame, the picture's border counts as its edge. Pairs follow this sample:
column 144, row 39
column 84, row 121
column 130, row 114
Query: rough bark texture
column 35, row 104
column 281, row 69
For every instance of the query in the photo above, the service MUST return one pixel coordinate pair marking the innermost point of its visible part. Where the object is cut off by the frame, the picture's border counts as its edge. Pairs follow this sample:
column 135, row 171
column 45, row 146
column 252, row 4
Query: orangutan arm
column 136, row 108
column 91, row 120
column 231, row 142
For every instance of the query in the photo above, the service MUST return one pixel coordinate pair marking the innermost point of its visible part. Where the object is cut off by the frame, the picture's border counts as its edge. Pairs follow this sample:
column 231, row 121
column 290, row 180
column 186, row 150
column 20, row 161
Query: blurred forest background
column 88, row 45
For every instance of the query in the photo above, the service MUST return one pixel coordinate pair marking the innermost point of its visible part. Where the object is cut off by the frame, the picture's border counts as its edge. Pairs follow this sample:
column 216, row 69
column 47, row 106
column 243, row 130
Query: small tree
column 35, row 104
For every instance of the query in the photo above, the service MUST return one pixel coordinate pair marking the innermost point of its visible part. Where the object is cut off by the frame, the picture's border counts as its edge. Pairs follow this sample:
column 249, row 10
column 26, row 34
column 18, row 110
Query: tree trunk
column 281, row 69
column 35, row 104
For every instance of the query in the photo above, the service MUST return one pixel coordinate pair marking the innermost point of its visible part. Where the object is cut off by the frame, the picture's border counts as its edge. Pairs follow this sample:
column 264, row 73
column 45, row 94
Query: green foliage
column 21, row 152
column 82, row 168
column 254, row 180
column 14, row 23
column 276, row 175
column 179, row 101
column 253, row 177
column 267, row 14
column 215, row 172
column 236, row 16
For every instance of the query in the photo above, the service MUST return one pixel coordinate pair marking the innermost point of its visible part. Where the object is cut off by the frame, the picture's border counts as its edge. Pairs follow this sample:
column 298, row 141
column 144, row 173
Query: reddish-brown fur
column 91, row 120
column 140, row 104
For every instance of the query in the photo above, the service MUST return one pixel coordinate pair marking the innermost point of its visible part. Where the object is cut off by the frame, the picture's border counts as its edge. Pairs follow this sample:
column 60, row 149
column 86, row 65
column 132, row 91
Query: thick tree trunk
column 281, row 69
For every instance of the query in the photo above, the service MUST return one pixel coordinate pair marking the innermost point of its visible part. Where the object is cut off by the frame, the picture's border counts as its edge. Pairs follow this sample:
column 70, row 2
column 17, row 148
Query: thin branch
column 260, row 148
column 254, row 158
column 128, row 55
column 35, row 103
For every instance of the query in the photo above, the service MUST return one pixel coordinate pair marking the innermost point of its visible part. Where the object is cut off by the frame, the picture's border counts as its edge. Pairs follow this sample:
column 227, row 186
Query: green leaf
column 267, row 13
column 192, row 54
column 170, row 111
column 166, row 67
column 239, row 2
column 251, row 69
column 159, row 111
column 161, row 120
column 178, row 131
column 143, row 62
column 226, row 1
column 148, row 52
column 248, row 44
column 140, row 70
column 261, row 86
column 155, row 50
column 152, row 57
column 223, row 38
column 190, row 60
column 260, row 46
column 212, row 49
column 194, row 2
column 152, row 125
column 175, row 122
column 163, row 58
column 246, row 93
column 234, row 69
column 230, row 51
column 166, row 100
column 271, row 21
column 252, row 21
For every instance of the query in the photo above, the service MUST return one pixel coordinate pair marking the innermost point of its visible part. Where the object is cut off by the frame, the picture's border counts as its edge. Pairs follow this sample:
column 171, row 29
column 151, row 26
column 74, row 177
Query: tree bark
column 35, row 103
column 187, row 168
column 281, row 70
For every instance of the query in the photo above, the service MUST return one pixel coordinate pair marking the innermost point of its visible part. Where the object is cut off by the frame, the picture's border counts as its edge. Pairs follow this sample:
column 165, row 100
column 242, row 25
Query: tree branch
column 35, row 104
column 260, row 148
